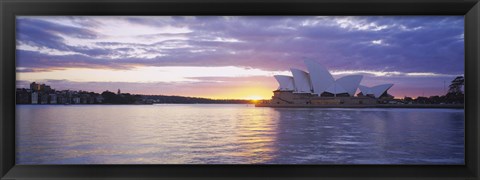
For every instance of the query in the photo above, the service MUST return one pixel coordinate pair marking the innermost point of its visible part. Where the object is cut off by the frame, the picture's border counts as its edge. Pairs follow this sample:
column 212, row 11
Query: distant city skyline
column 225, row 57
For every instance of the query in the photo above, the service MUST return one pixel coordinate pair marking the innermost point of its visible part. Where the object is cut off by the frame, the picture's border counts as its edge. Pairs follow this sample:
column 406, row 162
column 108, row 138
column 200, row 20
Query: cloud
column 394, row 73
column 263, row 42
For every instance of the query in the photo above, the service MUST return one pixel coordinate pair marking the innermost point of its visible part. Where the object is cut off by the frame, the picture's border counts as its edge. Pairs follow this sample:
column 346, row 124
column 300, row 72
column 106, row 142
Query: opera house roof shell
column 376, row 91
column 285, row 82
column 318, row 80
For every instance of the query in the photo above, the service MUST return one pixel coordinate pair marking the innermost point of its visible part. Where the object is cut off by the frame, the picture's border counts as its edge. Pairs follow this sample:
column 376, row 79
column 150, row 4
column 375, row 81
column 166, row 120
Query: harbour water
column 236, row 134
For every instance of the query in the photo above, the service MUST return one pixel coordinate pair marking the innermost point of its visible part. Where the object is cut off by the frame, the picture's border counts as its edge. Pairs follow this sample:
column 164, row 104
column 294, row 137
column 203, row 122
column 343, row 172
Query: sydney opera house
column 319, row 87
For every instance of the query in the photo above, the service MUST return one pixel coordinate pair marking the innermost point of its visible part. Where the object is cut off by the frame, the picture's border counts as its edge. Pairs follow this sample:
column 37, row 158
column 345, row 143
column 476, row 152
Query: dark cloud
column 47, row 34
column 53, row 28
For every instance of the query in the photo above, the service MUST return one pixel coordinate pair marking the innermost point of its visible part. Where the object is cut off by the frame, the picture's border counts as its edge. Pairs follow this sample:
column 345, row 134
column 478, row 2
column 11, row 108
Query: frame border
column 11, row 8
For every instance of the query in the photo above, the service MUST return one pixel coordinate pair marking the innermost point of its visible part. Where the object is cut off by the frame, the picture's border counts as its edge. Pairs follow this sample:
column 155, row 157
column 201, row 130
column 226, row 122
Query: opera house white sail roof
column 301, row 80
column 376, row 91
column 348, row 83
column 285, row 82
column 320, row 77
column 318, row 80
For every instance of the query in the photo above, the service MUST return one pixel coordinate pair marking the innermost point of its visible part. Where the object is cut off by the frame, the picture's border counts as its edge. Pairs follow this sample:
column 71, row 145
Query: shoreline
column 446, row 106
column 437, row 106
column 133, row 104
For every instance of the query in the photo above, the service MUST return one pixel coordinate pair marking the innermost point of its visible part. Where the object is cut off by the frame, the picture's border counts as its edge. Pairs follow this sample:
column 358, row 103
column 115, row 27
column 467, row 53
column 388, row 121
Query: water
column 236, row 134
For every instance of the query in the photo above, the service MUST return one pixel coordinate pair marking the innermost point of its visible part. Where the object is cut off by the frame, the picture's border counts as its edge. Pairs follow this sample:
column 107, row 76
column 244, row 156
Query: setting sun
column 254, row 97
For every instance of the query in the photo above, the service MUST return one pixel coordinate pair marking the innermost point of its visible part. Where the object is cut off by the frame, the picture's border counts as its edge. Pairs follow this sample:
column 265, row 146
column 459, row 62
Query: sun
column 254, row 97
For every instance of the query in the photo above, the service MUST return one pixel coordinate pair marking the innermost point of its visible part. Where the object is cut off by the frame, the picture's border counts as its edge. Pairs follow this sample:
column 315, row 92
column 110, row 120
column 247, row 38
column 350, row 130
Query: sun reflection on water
column 256, row 135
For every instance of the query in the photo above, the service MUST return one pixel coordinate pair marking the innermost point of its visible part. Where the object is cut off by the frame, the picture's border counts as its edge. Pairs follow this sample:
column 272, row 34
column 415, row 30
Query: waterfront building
column 91, row 100
column 40, row 87
column 43, row 98
column 83, row 100
column 44, row 94
column 34, row 86
column 22, row 96
column 61, row 99
column 99, row 99
column 34, row 98
column 53, row 99
column 319, row 87
column 76, row 100
column 45, row 88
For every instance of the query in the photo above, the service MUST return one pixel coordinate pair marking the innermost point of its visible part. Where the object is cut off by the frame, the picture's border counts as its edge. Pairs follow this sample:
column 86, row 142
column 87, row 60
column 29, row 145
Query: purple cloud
column 410, row 44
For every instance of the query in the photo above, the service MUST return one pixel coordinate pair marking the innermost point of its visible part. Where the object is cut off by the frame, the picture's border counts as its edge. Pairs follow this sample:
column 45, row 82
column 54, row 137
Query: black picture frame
column 11, row 8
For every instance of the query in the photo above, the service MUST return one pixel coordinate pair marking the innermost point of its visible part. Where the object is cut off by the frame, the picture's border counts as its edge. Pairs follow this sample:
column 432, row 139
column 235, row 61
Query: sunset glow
column 255, row 97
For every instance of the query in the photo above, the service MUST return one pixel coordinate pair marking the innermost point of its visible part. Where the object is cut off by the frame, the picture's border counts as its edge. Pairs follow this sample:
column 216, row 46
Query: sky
column 235, row 57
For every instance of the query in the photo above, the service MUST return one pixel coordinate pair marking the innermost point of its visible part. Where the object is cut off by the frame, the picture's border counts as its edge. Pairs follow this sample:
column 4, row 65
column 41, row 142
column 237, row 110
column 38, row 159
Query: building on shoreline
column 319, row 87
column 44, row 94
